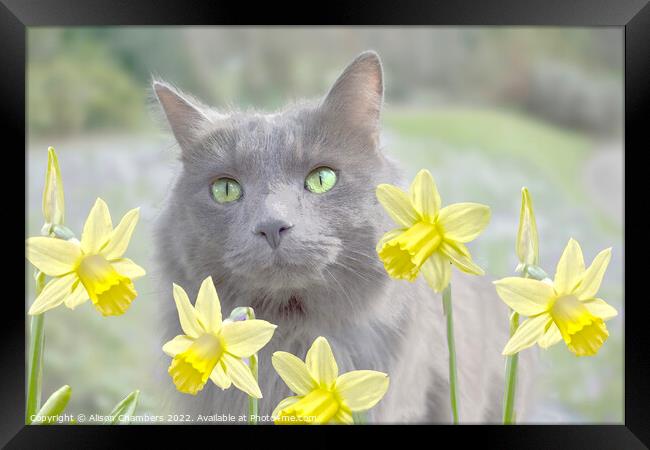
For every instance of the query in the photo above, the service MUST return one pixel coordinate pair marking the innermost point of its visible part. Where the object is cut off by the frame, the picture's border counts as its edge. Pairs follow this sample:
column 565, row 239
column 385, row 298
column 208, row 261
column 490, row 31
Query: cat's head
column 280, row 208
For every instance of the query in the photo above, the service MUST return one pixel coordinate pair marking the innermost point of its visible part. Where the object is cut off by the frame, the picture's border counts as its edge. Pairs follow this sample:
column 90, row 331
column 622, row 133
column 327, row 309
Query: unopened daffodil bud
column 53, row 199
column 527, row 238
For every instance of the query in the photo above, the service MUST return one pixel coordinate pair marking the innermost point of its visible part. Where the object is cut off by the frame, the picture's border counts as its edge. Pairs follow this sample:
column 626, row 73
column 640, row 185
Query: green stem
column 511, row 377
column 512, row 361
column 359, row 418
column 253, row 409
column 35, row 373
column 453, row 379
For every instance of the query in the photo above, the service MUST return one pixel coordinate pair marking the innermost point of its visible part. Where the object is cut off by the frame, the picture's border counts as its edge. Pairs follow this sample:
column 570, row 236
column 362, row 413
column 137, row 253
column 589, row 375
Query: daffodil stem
column 511, row 377
column 359, row 418
column 451, row 345
column 253, row 410
column 512, row 361
column 35, row 373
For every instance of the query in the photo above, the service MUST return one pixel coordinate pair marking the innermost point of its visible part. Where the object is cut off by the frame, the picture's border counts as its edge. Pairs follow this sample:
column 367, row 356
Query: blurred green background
column 487, row 110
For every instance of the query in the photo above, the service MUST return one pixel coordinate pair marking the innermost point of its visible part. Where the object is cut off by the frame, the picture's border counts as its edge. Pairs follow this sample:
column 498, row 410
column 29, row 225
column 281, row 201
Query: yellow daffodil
column 212, row 348
column 93, row 268
column 322, row 395
column 428, row 238
column 527, row 238
column 566, row 308
column 53, row 200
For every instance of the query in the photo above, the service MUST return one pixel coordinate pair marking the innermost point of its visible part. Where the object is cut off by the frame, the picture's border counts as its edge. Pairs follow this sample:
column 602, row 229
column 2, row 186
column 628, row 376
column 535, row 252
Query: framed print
column 379, row 216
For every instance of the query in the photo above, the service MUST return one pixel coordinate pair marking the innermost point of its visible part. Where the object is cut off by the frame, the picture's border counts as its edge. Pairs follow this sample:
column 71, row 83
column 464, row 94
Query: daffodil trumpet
column 563, row 309
column 214, row 349
column 322, row 396
column 91, row 269
column 430, row 239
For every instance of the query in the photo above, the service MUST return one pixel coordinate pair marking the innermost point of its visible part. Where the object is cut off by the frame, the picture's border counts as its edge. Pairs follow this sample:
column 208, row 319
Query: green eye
column 320, row 180
column 226, row 190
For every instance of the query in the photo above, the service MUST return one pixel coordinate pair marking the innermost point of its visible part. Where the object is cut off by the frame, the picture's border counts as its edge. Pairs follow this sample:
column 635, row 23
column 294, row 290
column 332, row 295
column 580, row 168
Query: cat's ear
column 185, row 115
column 357, row 95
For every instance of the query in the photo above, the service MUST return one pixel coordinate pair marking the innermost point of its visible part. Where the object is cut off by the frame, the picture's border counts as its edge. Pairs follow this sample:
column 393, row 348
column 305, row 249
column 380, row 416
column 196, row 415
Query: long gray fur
column 325, row 278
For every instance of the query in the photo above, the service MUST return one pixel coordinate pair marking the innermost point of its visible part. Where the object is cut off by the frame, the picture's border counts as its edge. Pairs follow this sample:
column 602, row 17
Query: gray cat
column 306, row 261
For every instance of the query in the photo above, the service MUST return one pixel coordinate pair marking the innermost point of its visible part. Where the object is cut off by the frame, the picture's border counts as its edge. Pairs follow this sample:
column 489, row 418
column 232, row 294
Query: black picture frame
column 17, row 15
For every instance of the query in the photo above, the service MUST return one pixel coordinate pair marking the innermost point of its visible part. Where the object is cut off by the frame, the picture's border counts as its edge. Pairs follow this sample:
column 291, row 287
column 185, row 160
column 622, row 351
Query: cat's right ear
column 184, row 115
column 356, row 97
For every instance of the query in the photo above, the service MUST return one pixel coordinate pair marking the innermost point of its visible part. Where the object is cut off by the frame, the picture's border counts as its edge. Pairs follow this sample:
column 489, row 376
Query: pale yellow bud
column 53, row 201
column 527, row 246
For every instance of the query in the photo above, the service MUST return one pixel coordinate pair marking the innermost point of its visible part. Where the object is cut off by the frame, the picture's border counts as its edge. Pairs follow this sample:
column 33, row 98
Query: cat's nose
column 272, row 230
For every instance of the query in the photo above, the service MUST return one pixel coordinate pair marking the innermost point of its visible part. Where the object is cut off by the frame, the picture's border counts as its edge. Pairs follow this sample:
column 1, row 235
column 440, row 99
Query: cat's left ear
column 356, row 97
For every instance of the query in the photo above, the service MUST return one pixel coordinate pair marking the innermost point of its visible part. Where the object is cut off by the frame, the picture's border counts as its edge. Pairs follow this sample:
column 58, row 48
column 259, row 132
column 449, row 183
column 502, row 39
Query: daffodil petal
column 78, row 295
column 593, row 276
column 463, row 222
column 551, row 337
column 361, row 389
column 208, row 306
column 387, row 237
column 241, row 375
column 321, row 363
column 53, row 294
column 97, row 229
column 528, row 333
column 570, row 268
column 524, row 295
column 459, row 257
column 121, row 235
column 424, row 195
column 284, row 403
column 600, row 308
column 294, row 373
column 219, row 376
column 186, row 313
column 397, row 204
column 54, row 257
column 177, row 345
column 437, row 272
column 126, row 267
column 246, row 337
column 344, row 417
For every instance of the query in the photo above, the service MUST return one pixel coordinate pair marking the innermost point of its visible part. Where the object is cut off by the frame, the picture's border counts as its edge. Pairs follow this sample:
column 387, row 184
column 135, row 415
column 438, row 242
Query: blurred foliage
column 94, row 78
column 80, row 89
column 498, row 133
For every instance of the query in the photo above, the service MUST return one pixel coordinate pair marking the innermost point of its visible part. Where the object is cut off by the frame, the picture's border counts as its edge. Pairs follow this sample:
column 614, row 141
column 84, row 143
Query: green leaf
column 121, row 414
column 55, row 405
